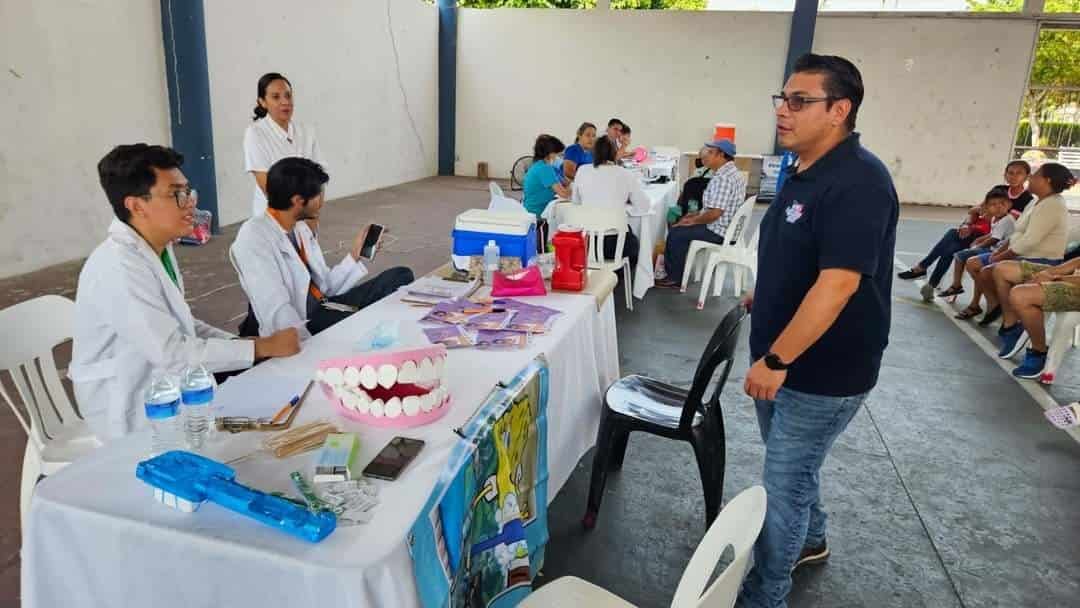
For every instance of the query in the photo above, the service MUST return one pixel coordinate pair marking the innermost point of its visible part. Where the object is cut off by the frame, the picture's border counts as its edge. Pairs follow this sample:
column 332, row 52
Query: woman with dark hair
column 274, row 135
column 1057, row 288
column 542, row 181
column 606, row 184
column 581, row 152
column 1038, row 240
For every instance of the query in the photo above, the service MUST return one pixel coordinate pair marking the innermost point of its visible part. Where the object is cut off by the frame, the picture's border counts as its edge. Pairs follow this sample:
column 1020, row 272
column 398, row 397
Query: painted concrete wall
column 670, row 75
column 942, row 97
column 77, row 78
column 375, row 113
column 942, row 93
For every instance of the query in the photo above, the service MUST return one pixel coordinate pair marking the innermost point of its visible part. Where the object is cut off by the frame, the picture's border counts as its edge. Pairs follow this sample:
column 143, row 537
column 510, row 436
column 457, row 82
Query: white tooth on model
column 440, row 369
column 410, row 405
column 377, row 408
column 350, row 400
column 443, row 394
column 338, row 390
column 363, row 404
column 387, row 375
column 427, row 402
column 351, row 376
column 408, row 373
column 369, row 378
column 333, row 376
column 318, row 375
column 393, row 407
column 426, row 373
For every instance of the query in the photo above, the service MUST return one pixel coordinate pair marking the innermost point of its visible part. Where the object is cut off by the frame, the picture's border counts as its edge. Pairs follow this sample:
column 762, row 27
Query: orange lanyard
column 313, row 289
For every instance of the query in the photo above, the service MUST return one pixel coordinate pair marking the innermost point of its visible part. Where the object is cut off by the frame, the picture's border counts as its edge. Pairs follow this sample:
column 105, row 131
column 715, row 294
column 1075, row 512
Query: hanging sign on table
column 480, row 538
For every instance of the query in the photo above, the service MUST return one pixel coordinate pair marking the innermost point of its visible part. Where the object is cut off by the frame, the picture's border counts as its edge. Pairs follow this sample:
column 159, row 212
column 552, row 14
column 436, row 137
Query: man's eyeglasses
column 796, row 103
column 183, row 198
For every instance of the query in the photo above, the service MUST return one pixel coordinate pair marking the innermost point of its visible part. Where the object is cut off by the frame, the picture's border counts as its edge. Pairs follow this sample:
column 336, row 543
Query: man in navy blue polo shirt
column 821, row 311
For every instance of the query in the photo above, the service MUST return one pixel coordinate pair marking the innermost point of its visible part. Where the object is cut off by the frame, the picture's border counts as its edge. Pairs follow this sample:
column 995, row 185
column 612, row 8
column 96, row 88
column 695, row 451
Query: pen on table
column 292, row 402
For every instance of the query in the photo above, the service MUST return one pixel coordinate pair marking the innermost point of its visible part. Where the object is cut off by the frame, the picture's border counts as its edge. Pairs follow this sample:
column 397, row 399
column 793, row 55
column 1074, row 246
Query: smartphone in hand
column 371, row 241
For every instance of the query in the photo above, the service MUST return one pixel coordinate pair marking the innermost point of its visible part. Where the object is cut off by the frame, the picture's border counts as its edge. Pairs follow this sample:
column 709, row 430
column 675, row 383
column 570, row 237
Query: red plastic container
column 571, row 259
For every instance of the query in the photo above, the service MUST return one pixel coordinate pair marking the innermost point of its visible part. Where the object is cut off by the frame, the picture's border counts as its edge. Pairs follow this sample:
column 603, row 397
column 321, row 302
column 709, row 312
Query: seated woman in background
column 605, row 184
column 542, row 182
column 581, row 152
column 975, row 226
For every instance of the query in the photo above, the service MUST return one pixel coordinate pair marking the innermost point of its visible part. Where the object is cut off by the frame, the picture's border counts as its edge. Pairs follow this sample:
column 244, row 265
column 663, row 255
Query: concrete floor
column 948, row 489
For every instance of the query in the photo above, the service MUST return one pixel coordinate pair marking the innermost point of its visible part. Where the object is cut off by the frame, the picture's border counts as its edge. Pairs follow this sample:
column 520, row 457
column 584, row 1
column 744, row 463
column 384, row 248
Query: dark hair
column 615, row 121
column 998, row 192
column 842, row 80
column 1059, row 176
column 128, row 170
column 1023, row 164
column 581, row 130
column 263, row 83
column 293, row 176
column 546, row 144
column 625, row 129
column 603, row 151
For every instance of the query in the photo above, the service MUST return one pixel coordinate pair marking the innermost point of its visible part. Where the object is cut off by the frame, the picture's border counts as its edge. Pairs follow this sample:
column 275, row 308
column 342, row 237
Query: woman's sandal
column 969, row 313
column 951, row 292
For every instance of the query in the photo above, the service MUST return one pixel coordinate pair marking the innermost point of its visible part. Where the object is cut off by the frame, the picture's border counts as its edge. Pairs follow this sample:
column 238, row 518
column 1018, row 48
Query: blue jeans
column 798, row 429
column 942, row 253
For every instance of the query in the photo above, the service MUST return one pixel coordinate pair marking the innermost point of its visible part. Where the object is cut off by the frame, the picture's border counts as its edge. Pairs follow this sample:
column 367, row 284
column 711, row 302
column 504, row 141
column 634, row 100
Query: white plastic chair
column 599, row 222
column 56, row 434
column 737, row 525
column 1065, row 334
column 742, row 255
column 697, row 263
column 500, row 202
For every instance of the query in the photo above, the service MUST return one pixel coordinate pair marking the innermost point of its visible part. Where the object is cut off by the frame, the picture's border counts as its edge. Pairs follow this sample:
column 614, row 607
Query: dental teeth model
column 399, row 388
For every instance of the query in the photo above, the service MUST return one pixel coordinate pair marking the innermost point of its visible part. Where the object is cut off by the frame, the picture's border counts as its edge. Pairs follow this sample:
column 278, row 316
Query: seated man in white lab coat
column 281, row 264
column 131, row 319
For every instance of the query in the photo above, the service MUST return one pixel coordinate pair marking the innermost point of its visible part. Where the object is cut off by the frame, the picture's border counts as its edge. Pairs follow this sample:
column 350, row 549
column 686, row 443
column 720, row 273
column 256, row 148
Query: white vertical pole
column 1033, row 7
column 603, row 5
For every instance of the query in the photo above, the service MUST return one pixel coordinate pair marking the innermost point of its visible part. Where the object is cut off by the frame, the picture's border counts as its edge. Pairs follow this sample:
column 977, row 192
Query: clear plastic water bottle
column 197, row 395
column 491, row 262
column 163, row 411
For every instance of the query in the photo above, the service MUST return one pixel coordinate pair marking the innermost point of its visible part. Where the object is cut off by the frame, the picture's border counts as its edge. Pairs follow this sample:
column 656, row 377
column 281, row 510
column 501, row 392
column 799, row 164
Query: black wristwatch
column 773, row 362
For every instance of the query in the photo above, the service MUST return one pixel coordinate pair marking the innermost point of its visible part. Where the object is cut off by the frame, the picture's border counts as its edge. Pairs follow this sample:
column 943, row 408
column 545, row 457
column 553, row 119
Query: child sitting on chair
column 977, row 224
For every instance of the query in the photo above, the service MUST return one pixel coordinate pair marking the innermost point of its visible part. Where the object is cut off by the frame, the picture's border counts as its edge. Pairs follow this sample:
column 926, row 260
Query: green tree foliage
column 1057, row 61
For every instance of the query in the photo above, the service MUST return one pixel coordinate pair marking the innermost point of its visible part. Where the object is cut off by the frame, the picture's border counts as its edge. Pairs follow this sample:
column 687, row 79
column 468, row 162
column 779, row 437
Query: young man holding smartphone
column 281, row 265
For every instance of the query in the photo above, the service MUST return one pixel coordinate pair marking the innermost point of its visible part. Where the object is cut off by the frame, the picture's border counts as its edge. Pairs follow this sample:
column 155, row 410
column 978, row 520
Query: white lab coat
column 131, row 320
column 276, row 280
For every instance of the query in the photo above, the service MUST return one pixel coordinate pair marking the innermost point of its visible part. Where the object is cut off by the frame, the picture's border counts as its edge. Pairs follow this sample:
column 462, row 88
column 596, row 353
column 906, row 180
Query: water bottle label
column 160, row 411
column 198, row 397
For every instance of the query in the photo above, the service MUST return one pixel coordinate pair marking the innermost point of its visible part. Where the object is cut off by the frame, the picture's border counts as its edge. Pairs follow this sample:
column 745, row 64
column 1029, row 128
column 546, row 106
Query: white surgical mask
column 558, row 160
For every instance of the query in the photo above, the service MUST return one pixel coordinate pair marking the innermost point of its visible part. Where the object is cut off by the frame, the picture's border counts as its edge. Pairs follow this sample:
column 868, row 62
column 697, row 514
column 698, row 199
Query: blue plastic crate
column 470, row 242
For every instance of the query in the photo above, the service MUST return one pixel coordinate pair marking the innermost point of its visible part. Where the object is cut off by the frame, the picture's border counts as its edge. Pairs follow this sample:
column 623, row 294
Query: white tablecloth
column 96, row 537
column 650, row 230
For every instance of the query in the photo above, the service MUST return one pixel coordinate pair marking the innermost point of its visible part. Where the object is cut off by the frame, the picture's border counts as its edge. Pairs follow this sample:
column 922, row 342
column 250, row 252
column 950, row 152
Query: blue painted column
column 447, row 85
column 800, row 40
column 183, row 27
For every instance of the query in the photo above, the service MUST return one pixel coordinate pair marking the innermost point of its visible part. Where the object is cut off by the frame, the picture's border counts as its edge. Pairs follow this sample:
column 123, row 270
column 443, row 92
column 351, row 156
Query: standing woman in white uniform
column 275, row 135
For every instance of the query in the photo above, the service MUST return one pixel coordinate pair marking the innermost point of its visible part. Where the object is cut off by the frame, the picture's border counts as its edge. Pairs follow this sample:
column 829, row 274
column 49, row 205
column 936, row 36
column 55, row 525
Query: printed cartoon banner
column 480, row 539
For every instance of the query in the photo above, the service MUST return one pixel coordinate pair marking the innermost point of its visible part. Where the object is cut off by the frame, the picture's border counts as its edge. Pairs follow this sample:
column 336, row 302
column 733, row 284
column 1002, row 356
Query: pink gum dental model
column 401, row 388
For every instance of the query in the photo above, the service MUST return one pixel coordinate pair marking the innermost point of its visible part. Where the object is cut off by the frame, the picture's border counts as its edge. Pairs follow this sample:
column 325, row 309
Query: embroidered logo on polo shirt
column 794, row 212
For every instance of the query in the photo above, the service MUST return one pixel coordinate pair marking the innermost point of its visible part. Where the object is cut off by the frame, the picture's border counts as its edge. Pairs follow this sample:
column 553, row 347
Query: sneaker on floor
column 908, row 275
column 927, row 292
column 1032, row 366
column 811, row 556
column 1013, row 340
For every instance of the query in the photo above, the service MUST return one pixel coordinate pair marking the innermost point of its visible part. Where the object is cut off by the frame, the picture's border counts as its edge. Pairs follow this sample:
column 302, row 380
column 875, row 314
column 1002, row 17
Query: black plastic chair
column 637, row 403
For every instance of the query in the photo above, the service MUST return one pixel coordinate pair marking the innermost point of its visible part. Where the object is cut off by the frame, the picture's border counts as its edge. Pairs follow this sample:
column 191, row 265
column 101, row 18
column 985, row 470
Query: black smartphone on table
column 392, row 460
column 371, row 241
